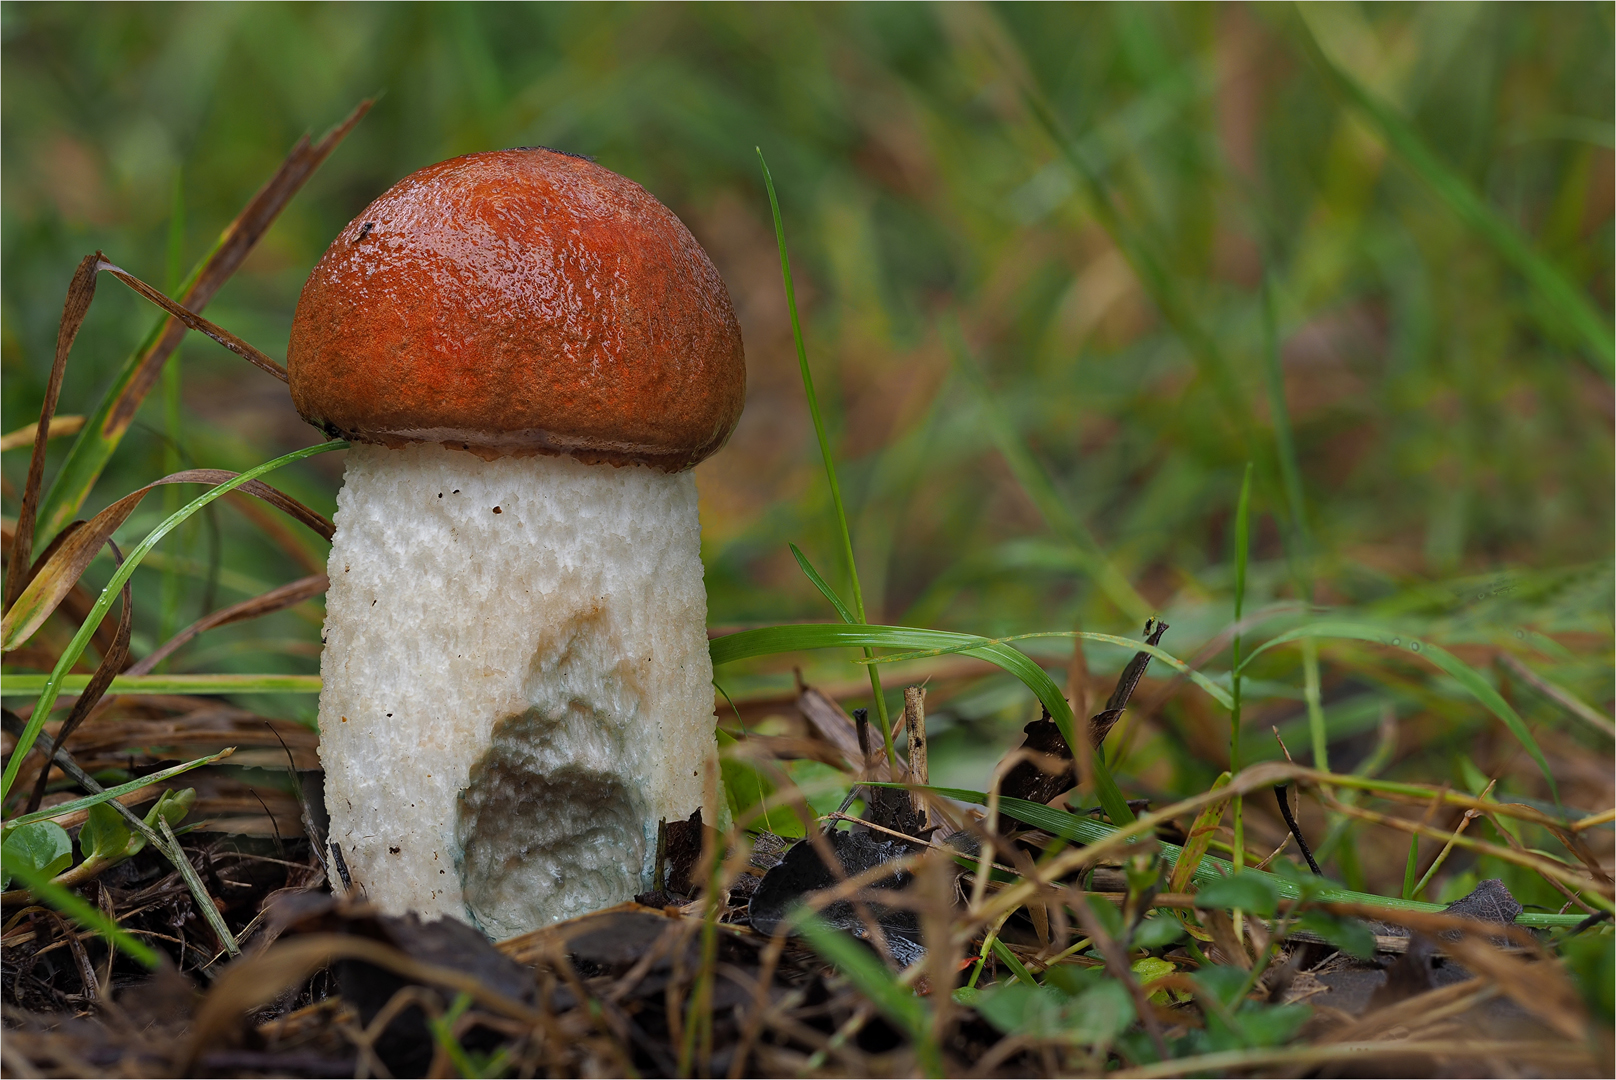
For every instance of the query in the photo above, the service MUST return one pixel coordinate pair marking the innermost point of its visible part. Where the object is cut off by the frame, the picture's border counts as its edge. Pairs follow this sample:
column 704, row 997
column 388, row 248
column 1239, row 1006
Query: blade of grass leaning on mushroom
column 529, row 353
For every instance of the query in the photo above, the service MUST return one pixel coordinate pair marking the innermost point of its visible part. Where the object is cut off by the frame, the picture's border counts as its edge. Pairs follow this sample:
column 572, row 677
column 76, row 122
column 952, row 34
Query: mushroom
column 528, row 352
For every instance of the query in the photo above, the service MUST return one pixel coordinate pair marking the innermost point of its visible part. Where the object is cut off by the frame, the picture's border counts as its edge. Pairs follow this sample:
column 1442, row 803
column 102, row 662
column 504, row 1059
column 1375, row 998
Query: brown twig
column 1281, row 794
column 914, row 721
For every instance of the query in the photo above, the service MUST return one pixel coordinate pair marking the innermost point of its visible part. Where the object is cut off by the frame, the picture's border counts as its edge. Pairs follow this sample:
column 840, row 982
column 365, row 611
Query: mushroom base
column 516, row 681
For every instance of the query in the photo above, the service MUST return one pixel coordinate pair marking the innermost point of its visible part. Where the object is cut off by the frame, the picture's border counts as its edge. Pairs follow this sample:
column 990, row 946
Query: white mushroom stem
column 516, row 681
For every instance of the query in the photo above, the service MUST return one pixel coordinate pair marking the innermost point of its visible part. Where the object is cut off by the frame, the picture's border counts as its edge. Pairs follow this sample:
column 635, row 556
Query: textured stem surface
column 516, row 681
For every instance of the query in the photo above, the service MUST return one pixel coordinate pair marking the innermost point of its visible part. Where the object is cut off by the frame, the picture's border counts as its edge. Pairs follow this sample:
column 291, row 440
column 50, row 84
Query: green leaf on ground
column 1097, row 1014
column 1248, row 892
column 42, row 847
column 105, row 837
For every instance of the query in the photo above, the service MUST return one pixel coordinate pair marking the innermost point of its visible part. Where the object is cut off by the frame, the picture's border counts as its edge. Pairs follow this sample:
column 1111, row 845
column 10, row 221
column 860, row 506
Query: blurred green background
column 1094, row 195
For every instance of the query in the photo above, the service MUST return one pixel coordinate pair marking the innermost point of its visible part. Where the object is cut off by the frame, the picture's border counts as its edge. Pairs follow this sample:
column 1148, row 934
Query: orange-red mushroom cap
column 520, row 302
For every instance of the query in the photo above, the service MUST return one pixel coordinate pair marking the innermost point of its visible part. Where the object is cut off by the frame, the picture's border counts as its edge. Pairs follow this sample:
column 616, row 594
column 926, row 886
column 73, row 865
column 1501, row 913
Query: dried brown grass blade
column 112, row 418
column 79, row 294
column 1101, row 723
column 112, row 663
column 266, row 603
column 75, row 608
column 1539, row 988
column 1225, row 938
column 116, row 737
column 24, row 436
column 78, row 602
column 934, row 895
column 1197, row 842
column 195, row 321
column 59, row 574
column 1552, row 870
column 1413, row 1014
column 1585, row 854
column 233, row 248
column 238, row 240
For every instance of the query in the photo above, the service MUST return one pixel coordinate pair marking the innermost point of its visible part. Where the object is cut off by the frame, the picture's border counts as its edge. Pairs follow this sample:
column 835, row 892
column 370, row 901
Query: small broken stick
column 1281, row 793
column 904, row 812
column 861, row 721
column 914, row 719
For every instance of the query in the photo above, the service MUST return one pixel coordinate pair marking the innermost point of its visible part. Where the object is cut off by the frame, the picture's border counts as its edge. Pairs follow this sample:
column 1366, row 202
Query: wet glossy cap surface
column 520, row 302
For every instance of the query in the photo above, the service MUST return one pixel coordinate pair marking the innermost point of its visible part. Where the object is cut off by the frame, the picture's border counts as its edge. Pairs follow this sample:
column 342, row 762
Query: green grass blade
column 1242, row 550
column 808, row 387
column 443, row 1034
column 117, row 792
column 75, row 648
column 1301, row 544
column 1036, row 482
column 210, row 912
column 824, row 447
column 1242, row 556
column 822, row 585
column 80, row 911
column 105, row 429
column 1106, row 791
column 1312, row 688
column 31, row 685
column 1086, row 830
column 1002, row 951
column 769, row 640
column 1570, row 303
column 1411, row 867
column 1465, row 675
column 1216, row 692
